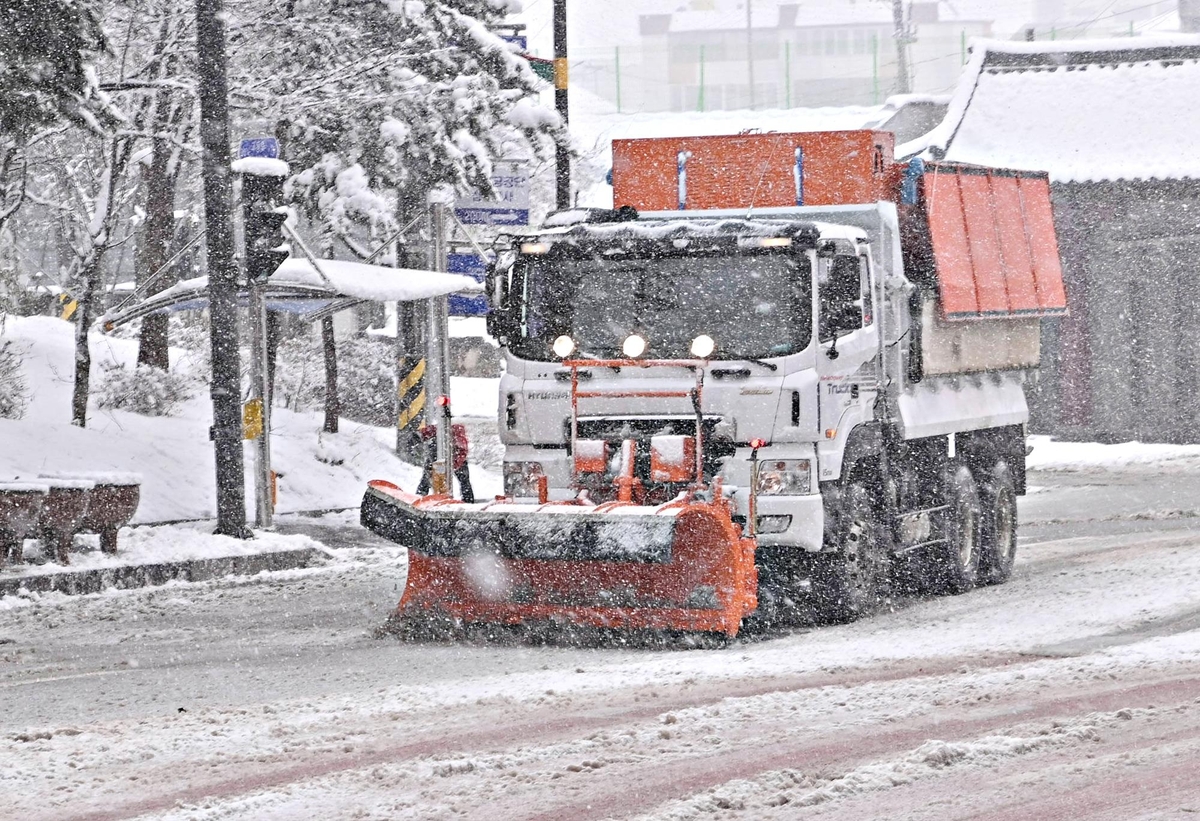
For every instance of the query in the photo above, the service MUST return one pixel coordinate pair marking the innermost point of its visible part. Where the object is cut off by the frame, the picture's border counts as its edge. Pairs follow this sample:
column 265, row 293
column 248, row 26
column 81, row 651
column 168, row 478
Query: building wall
column 793, row 66
column 1124, row 365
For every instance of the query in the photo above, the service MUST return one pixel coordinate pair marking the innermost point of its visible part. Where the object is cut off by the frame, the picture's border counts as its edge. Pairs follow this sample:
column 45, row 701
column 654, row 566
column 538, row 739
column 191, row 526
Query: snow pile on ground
column 170, row 543
column 316, row 470
column 794, row 788
column 1051, row 455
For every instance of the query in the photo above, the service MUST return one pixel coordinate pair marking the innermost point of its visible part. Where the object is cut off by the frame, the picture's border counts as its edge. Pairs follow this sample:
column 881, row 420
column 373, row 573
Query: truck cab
column 778, row 315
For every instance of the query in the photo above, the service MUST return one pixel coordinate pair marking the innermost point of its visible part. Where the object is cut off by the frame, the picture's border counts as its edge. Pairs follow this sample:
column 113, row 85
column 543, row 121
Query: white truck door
column 848, row 344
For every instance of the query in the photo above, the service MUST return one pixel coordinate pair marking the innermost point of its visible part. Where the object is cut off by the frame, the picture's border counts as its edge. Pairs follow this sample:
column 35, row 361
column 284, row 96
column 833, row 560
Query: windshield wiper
column 771, row 366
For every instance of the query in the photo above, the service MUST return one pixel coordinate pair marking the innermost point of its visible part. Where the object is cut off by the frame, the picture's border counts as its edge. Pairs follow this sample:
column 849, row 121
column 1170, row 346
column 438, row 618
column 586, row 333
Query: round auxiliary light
column 703, row 346
column 563, row 346
column 634, row 345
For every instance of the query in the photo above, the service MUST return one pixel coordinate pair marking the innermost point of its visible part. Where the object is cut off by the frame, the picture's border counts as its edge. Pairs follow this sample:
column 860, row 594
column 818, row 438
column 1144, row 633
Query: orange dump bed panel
column 993, row 240
column 754, row 170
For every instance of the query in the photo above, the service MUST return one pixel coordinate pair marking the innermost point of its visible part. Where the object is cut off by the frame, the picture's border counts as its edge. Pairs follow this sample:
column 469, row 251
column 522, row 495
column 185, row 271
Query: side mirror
column 499, row 317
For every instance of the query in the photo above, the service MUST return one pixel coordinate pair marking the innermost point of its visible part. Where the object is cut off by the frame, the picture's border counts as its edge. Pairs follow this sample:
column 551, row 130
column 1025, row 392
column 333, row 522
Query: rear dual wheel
column 998, row 498
column 956, row 562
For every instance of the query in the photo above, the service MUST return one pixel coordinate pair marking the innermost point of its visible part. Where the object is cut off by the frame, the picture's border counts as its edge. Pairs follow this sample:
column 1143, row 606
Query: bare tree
column 171, row 126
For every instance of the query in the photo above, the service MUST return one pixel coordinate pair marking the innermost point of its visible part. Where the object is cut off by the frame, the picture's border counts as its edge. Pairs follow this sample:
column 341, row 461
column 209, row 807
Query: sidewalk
column 148, row 556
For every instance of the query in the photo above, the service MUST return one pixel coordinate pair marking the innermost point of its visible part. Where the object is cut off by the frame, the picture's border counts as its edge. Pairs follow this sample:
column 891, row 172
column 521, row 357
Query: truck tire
column 782, row 599
column 998, row 525
column 956, row 561
column 850, row 580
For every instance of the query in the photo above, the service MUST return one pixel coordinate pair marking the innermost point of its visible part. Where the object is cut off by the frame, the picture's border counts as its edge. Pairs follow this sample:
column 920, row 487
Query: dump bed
column 980, row 243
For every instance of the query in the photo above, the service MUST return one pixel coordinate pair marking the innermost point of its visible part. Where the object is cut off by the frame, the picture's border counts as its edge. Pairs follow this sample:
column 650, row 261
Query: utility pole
column 903, row 38
column 226, row 432
column 750, row 53
column 562, row 175
column 438, row 355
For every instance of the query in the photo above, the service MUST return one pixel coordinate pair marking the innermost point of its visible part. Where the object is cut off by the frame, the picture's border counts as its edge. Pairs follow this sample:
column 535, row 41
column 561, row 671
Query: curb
column 81, row 582
column 307, row 514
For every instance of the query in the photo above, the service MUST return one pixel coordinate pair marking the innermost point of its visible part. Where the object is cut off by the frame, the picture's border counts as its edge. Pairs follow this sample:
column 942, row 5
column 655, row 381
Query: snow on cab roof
column 1082, row 110
column 666, row 224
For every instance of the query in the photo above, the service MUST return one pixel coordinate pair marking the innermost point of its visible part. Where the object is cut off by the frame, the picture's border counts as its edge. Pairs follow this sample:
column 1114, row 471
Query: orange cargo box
column 754, row 170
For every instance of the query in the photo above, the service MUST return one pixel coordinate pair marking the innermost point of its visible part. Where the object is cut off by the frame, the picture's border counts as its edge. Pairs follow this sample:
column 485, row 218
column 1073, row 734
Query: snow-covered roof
column 374, row 282
column 1082, row 110
column 298, row 286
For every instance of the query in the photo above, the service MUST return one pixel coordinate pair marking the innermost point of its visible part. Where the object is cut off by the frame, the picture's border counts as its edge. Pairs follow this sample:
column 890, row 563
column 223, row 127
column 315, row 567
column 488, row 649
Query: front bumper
column 804, row 531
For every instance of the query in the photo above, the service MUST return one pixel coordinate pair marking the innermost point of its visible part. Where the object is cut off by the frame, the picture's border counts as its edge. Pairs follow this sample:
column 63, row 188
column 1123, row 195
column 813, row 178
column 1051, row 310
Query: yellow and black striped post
column 410, row 404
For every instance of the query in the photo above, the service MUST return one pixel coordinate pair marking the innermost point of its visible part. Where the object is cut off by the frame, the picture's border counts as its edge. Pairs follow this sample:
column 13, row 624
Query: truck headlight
column 634, row 346
column 563, row 346
column 784, row 477
column 521, row 479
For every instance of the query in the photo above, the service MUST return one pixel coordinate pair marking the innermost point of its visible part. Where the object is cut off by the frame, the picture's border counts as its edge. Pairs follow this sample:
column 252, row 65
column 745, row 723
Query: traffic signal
column 263, row 219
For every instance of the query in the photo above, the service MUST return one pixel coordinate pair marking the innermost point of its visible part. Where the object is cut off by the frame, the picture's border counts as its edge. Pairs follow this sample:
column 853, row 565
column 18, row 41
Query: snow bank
column 92, row 478
column 172, row 543
column 173, row 456
column 1049, row 455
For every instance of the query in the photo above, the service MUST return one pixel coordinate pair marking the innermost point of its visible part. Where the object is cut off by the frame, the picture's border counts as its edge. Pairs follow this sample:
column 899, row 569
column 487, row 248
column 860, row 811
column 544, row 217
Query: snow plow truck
column 784, row 373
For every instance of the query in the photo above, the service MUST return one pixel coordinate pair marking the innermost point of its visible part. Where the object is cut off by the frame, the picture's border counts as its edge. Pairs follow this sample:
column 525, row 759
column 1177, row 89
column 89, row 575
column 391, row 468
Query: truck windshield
column 752, row 305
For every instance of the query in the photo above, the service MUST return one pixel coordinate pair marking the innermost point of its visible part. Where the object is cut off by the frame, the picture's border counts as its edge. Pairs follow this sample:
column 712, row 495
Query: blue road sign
column 474, row 266
column 510, row 178
column 517, row 40
column 260, row 147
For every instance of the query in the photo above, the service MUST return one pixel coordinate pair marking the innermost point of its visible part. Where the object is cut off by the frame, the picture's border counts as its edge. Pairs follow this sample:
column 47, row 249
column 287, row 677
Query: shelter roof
column 298, row 287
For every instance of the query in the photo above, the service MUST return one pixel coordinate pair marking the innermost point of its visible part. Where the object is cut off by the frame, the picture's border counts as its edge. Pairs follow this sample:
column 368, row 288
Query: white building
column 709, row 56
column 693, row 55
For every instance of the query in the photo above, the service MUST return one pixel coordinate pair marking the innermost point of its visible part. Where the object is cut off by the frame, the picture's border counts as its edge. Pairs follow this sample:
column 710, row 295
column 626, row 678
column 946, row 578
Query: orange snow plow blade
column 683, row 565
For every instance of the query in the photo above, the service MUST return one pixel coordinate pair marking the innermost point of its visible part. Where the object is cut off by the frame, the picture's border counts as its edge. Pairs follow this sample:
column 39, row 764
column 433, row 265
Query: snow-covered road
column 1071, row 692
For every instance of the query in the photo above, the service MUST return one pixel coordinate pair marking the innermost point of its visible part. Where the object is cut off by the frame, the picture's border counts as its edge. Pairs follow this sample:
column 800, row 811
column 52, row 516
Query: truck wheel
column 850, row 580
column 956, row 563
column 998, row 526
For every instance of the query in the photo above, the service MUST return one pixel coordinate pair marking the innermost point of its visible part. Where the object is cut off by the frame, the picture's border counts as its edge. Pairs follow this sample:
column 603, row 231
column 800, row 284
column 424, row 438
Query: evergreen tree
column 44, row 49
column 44, row 77
column 378, row 103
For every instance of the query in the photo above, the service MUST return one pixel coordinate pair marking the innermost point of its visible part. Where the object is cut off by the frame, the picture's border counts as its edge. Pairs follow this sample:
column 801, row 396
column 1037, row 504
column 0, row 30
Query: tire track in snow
column 542, row 725
column 666, row 781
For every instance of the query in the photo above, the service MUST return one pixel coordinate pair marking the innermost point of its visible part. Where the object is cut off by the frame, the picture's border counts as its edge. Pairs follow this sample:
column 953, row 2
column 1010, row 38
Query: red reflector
column 443, row 401
column 758, row 443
